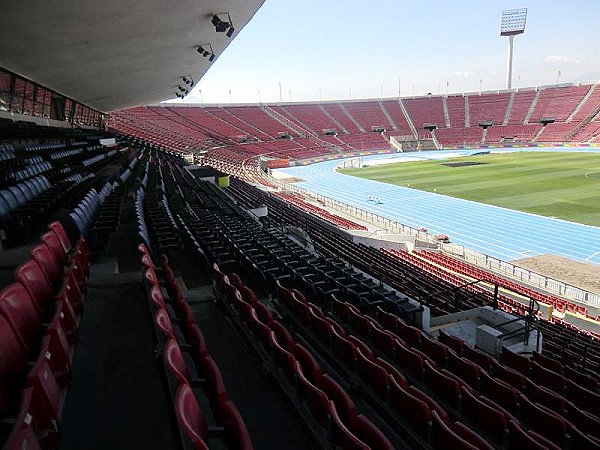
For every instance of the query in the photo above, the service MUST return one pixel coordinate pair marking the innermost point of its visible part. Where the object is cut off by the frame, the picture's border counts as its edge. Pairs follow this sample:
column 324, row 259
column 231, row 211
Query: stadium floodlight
column 188, row 80
column 206, row 50
column 513, row 23
column 223, row 24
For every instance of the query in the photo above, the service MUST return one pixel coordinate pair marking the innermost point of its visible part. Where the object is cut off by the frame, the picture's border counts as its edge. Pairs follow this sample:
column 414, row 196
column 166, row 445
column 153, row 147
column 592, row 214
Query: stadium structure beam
column 512, row 24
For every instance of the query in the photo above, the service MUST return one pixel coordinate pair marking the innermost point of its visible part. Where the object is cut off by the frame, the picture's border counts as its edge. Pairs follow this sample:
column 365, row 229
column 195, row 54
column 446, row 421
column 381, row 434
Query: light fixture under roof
column 206, row 51
column 223, row 24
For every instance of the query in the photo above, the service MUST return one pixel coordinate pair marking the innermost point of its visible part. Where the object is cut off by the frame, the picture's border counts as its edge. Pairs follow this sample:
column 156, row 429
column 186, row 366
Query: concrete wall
column 398, row 244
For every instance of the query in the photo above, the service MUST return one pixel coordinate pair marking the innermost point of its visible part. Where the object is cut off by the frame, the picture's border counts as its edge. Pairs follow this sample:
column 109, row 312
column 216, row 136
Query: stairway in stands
column 509, row 108
column 532, row 107
column 387, row 116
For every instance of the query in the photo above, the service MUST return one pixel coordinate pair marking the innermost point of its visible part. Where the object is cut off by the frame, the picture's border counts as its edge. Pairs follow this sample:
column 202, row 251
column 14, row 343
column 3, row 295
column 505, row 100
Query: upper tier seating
column 177, row 128
column 558, row 102
column 488, row 107
column 425, row 110
column 368, row 115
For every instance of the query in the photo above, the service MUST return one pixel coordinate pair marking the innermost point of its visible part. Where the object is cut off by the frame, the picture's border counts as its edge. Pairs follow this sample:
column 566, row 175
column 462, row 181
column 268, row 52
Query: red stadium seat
column 62, row 235
column 214, row 387
column 59, row 352
column 13, row 362
column 283, row 359
column 471, row 437
column 370, row 434
column 344, row 404
column 431, row 403
column 392, row 370
column 235, row 279
column 156, row 298
column 547, row 378
column 174, row 362
column 434, row 350
column 21, row 313
column 372, row 374
column 31, row 276
column 445, row 438
column 409, row 360
column 236, row 434
column 72, row 294
column 22, row 436
column 383, row 340
column 520, row 439
column 413, row 411
column 488, row 419
column 248, row 295
column 341, row 435
column 36, row 410
column 308, row 363
column 442, row 385
column 190, row 417
column 452, row 342
column 321, row 328
column 360, row 323
column 387, row 320
column 409, row 334
column 264, row 314
column 341, row 309
column 480, row 358
column 68, row 319
column 265, row 335
column 315, row 398
column 51, row 239
column 194, row 337
column 547, row 362
column 49, row 265
column 542, row 420
column 343, row 349
column 515, row 361
column 147, row 261
column 163, row 323
column 500, row 392
column 42, row 380
column 364, row 348
column 463, row 368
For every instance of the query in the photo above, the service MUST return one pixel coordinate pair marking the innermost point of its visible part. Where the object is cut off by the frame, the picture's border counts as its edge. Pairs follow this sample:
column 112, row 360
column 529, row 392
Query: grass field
column 563, row 185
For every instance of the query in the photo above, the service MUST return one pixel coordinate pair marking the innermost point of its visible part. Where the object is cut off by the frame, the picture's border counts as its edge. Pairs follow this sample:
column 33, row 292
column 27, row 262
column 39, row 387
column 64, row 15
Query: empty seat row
column 49, row 289
column 327, row 402
column 7, row 152
column 18, row 195
column 198, row 370
column 65, row 154
column 496, row 404
column 84, row 214
column 43, row 147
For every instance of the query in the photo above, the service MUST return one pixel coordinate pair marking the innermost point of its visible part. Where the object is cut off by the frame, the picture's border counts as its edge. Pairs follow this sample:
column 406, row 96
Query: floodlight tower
column 513, row 23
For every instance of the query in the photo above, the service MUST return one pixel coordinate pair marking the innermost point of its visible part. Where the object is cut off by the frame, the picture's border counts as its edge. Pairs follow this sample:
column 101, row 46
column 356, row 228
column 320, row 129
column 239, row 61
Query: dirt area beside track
column 582, row 275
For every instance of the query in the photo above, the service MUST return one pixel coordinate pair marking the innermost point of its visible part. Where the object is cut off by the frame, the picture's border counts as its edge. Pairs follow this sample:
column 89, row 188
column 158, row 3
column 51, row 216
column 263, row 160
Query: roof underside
column 115, row 54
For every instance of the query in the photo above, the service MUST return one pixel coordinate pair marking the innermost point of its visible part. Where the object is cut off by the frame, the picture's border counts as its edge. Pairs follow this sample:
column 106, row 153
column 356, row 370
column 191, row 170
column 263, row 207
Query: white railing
column 524, row 275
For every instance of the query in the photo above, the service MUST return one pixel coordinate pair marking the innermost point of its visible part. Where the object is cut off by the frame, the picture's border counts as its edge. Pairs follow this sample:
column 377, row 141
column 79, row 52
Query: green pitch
column 563, row 185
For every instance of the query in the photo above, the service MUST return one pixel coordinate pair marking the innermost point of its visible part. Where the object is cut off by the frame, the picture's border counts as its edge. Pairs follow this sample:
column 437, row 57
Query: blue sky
column 330, row 49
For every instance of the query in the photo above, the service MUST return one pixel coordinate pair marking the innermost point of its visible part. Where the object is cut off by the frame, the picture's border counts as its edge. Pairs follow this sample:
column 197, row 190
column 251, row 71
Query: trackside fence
column 525, row 275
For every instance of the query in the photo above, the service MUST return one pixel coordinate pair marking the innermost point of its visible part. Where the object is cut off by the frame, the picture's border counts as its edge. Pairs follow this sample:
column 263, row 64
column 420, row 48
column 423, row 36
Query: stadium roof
column 115, row 54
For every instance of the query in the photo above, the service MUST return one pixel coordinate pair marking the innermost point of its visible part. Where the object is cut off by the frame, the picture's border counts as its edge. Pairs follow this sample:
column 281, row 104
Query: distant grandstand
column 556, row 114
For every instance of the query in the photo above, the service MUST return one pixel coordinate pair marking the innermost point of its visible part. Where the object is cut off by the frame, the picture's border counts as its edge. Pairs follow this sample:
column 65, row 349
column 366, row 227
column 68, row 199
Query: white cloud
column 555, row 59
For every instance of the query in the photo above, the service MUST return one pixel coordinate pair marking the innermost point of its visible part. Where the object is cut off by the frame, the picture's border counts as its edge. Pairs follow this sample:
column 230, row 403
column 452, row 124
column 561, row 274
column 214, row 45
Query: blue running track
column 495, row 231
